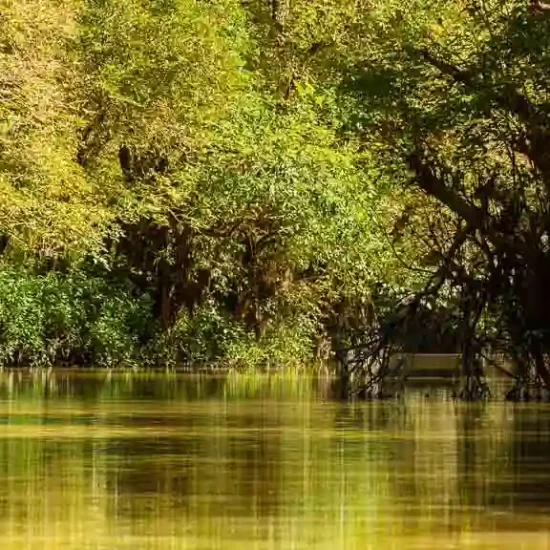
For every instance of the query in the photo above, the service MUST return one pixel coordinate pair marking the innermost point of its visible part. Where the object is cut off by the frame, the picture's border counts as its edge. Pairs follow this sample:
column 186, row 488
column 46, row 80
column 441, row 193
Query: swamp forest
column 265, row 183
column 274, row 274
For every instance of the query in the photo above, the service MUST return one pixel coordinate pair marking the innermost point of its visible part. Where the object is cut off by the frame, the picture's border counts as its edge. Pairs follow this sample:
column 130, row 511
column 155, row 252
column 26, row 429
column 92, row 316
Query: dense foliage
column 177, row 184
column 251, row 182
column 456, row 97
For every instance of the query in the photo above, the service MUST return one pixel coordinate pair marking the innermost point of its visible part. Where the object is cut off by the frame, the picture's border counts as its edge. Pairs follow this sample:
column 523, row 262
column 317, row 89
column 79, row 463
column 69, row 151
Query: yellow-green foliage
column 199, row 154
column 47, row 203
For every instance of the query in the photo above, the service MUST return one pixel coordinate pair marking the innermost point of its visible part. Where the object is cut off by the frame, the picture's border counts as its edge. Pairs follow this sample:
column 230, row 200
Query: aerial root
column 474, row 388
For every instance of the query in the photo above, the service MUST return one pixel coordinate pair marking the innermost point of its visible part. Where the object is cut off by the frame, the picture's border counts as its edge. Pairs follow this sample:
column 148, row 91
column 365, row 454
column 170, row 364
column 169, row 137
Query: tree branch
column 435, row 187
column 507, row 97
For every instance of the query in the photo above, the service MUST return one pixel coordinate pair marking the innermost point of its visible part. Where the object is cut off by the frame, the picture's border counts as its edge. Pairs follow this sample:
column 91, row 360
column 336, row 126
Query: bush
column 83, row 319
column 68, row 318
column 213, row 336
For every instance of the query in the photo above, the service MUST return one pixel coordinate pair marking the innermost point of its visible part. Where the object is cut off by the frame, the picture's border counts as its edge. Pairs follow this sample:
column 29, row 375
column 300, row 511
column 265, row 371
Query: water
column 146, row 462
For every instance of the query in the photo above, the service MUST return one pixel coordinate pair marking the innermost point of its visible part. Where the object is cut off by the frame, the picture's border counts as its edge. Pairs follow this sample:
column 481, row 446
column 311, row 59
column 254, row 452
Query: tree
column 195, row 158
column 48, row 205
column 457, row 96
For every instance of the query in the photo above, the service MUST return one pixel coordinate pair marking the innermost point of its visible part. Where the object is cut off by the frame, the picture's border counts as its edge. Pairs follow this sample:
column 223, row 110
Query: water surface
column 186, row 462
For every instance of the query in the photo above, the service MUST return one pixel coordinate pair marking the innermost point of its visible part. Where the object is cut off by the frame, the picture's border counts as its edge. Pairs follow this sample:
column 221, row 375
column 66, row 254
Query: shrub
column 68, row 318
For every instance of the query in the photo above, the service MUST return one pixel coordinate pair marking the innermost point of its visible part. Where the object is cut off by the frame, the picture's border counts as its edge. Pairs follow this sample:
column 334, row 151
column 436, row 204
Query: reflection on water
column 154, row 461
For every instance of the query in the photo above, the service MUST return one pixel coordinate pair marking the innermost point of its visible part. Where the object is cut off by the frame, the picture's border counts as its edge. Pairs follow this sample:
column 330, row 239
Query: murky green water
column 262, row 463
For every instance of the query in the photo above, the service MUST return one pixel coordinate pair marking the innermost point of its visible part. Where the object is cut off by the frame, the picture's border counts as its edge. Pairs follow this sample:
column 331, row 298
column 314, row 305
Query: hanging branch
column 369, row 365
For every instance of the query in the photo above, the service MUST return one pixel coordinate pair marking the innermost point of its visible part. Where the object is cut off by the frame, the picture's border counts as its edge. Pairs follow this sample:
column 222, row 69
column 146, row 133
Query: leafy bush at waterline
column 68, row 318
column 74, row 318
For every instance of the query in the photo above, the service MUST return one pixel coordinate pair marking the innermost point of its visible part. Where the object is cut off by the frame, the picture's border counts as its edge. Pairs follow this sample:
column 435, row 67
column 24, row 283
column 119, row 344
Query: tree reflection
column 246, row 469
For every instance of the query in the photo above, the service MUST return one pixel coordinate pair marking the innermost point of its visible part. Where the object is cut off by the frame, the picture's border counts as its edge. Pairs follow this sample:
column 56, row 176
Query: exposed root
column 473, row 388
column 372, row 370
column 528, row 389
